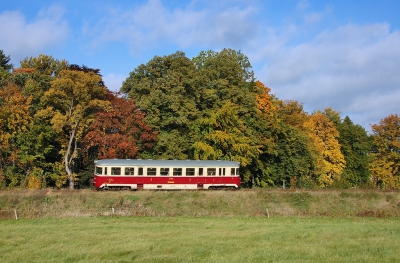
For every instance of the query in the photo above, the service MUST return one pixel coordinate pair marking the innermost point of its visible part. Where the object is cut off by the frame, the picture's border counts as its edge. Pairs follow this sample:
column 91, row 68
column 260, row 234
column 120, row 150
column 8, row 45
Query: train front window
column 99, row 170
column 177, row 171
column 151, row 171
column 190, row 171
column 129, row 171
column 164, row 171
column 115, row 170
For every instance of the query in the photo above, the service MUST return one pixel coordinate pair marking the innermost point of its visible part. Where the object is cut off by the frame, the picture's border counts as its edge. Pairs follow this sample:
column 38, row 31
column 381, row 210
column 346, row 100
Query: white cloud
column 154, row 26
column 20, row 38
column 353, row 69
column 310, row 17
column 114, row 81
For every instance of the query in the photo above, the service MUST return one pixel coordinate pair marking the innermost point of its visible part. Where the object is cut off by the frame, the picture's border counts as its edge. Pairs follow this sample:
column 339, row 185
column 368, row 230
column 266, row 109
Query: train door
column 200, row 178
column 140, row 178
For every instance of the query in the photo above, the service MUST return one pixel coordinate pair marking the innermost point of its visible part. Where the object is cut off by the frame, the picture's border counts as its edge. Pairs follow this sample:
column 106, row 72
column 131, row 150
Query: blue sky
column 339, row 54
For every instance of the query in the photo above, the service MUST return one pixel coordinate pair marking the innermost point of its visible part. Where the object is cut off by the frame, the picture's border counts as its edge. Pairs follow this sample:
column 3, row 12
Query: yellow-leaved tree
column 324, row 136
column 72, row 102
column 385, row 164
column 44, row 64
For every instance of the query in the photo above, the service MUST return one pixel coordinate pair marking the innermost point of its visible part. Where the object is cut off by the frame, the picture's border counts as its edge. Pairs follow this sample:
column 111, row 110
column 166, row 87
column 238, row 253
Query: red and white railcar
column 165, row 174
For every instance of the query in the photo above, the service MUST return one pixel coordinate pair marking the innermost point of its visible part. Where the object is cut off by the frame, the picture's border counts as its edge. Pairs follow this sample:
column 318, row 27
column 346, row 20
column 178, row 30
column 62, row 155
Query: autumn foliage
column 56, row 118
column 385, row 165
column 120, row 132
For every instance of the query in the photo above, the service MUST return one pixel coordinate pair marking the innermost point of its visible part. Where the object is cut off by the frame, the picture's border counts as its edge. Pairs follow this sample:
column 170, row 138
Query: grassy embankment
column 242, row 203
column 201, row 226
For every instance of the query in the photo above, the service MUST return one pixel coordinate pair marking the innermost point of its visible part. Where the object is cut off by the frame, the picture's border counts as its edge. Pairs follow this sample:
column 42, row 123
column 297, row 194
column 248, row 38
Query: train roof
column 168, row 163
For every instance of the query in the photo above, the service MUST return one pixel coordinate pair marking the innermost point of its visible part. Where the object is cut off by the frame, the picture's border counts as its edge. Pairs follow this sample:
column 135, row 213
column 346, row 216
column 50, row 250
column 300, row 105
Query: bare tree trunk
column 68, row 157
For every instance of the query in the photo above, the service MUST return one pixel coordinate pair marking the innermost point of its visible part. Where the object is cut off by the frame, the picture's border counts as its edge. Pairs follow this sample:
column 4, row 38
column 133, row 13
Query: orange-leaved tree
column 120, row 132
column 14, row 119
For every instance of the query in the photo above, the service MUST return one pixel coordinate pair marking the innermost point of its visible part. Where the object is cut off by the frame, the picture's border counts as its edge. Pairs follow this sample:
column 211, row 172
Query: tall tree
column 183, row 100
column 227, row 103
column 34, row 148
column 385, row 166
column 287, row 155
column 5, row 61
column 14, row 120
column 261, row 123
column 164, row 91
column 355, row 145
column 14, row 117
column 324, row 134
column 292, row 159
column 120, row 132
column 72, row 101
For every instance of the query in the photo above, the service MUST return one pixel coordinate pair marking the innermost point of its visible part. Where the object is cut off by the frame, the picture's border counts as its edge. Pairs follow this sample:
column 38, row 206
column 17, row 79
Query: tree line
column 56, row 118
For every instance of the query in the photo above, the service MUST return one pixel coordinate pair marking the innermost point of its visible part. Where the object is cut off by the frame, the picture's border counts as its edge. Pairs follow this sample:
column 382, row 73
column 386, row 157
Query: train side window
column 237, row 171
column 115, row 170
column 129, row 171
column 99, row 170
column 140, row 171
column 201, row 171
column 233, row 171
column 221, row 171
column 190, row 172
column 164, row 171
column 151, row 171
column 211, row 171
column 105, row 171
column 177, row 171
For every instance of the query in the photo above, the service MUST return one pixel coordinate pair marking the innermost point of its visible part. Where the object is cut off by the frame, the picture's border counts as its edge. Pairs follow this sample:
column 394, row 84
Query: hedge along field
column 202, row 239
column 241, row 203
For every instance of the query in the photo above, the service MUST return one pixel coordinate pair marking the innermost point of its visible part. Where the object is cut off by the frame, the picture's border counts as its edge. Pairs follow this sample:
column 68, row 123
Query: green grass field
column 200, row 226
column 181, row 239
